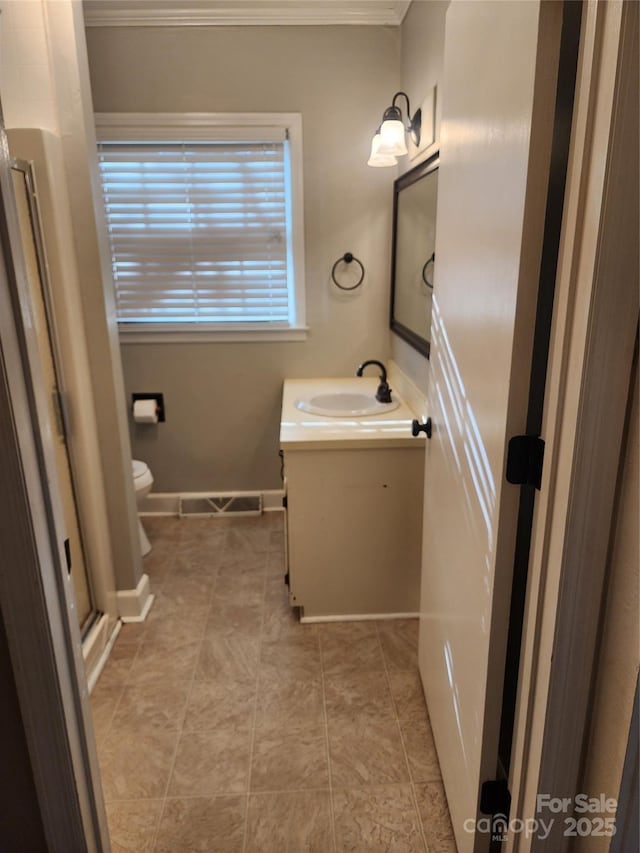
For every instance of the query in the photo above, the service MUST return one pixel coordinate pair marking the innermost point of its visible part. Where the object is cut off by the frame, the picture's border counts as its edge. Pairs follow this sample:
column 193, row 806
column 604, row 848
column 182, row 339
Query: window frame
column 218, row 127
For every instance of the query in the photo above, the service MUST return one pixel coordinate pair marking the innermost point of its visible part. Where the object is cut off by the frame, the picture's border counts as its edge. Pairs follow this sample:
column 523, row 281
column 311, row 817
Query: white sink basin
column 343, row 404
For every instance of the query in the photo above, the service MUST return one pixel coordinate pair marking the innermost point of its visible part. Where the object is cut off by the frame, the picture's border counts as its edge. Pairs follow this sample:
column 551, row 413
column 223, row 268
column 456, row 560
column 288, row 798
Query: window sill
column 163, row 335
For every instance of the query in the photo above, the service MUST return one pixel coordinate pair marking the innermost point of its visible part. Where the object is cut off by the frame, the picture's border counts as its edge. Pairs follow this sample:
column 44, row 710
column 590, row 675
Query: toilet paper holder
column 159, row 398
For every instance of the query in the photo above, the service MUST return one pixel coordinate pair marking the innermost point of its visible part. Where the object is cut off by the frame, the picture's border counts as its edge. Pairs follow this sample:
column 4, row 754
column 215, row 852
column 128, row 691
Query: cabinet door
column 355, row 530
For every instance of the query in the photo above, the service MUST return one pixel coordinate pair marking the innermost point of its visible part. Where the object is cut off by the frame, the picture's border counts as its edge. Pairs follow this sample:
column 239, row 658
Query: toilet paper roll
column 145, row 411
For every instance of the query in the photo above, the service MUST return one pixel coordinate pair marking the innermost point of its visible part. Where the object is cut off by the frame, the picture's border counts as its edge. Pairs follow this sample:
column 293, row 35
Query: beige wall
column 71, row 81
column 26, row 86
column 422, row 56
column 44, row 84
column 223, row 399
column 619, row 656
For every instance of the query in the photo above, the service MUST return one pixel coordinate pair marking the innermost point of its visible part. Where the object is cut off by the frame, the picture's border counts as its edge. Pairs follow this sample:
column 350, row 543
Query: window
column 204, row 219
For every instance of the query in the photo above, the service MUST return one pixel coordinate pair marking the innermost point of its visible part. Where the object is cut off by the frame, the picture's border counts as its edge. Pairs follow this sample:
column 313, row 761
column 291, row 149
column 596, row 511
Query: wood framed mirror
column 415, row 197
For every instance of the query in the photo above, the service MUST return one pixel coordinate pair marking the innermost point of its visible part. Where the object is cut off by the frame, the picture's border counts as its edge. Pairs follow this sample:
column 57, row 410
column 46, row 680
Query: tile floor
column 226, row 726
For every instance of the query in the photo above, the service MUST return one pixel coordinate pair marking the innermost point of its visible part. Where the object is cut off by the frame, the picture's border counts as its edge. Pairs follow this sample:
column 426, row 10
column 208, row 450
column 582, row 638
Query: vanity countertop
column 303, row 431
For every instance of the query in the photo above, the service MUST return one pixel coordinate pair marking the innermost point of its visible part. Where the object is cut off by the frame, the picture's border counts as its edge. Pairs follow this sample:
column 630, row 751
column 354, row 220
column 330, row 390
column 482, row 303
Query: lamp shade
column 378, row 159
column 392, row 138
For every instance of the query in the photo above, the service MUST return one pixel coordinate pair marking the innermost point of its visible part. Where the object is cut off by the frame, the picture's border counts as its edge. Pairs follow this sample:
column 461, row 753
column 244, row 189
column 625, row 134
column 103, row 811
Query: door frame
column 560, row 146
column 592, row 349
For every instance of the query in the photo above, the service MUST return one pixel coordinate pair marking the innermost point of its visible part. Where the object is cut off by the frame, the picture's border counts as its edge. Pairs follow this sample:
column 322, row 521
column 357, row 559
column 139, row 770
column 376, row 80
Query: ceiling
column 157, row 13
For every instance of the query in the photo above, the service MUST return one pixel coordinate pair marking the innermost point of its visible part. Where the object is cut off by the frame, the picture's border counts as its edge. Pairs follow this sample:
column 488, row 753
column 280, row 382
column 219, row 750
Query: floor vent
column 212, row 506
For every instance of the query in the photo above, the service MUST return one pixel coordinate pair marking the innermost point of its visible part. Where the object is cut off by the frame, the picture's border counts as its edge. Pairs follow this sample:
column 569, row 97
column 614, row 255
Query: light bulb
column 378, row 159
column 392, row 138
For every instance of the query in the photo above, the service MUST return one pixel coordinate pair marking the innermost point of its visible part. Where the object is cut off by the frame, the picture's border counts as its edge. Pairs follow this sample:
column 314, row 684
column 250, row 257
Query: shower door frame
column 42, row 151
column 26, row 168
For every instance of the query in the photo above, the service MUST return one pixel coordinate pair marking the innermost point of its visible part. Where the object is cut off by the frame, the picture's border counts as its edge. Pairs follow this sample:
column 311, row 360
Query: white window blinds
column 199, row 231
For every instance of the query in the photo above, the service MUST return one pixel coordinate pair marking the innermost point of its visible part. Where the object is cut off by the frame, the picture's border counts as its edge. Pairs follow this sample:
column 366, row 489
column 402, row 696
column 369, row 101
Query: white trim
column 234, row 13
column 168, row 503
column 358, row 617
column 97, row 648
column 159, row 503
column 272, row 501
column 134, row 604
column 94, row 643
column 160, row 127
column 296, row 206
column 159, row 334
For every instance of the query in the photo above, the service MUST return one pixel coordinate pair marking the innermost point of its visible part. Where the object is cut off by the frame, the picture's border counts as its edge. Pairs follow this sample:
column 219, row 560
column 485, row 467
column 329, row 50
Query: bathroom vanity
column 354, row 489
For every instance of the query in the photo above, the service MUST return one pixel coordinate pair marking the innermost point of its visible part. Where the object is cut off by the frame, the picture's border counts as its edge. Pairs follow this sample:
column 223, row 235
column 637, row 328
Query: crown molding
column 216, row 13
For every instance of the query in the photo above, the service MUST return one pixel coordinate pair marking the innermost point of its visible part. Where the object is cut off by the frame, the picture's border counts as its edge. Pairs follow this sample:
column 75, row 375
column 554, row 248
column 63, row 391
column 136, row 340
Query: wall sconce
column 389, row 141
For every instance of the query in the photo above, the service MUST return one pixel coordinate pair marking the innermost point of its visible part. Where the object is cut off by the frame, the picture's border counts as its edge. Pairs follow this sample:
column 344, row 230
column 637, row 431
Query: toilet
column 142, row 482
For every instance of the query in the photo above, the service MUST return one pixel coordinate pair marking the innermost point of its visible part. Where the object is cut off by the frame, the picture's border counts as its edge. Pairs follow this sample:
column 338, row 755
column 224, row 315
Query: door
column 500, row 68
column 36, row 269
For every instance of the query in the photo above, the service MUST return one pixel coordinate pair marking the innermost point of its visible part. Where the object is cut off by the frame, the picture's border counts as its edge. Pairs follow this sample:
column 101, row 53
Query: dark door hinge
column 525, row 456
column 285, row 502
column 67, row 553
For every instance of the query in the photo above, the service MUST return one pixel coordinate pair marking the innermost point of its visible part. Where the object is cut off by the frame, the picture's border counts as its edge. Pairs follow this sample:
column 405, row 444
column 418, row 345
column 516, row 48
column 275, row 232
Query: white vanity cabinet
column 354, row 509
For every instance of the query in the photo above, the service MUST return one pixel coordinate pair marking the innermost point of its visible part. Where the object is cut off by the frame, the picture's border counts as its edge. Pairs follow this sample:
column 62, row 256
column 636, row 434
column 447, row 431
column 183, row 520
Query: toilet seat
column 139, row 468
column 141, row 474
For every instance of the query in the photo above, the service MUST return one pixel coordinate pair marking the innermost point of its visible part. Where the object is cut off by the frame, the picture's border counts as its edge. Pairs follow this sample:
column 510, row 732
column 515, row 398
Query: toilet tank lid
column 139, row 468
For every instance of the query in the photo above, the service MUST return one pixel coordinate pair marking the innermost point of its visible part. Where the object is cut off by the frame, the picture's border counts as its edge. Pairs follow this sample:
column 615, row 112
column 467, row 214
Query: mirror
column 413, row 253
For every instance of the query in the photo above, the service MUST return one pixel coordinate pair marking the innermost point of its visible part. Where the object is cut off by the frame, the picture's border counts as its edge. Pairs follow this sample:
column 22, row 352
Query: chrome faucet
column 383, row 393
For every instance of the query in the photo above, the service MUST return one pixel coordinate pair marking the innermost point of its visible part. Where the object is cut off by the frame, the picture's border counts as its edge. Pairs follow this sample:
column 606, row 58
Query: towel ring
column 347, row 258
column 431, row 260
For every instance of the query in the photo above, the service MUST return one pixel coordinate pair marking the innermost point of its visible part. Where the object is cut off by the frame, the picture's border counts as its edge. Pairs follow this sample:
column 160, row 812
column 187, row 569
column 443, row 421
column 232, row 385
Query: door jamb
column 591, row 357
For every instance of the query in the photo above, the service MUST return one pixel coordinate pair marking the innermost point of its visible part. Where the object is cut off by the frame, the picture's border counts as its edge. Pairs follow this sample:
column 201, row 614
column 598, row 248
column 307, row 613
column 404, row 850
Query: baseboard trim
column 168, row 503
column 272, row 500
column 134, row 604
column 96, row 648
column 159, row 504
column 359, row 617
